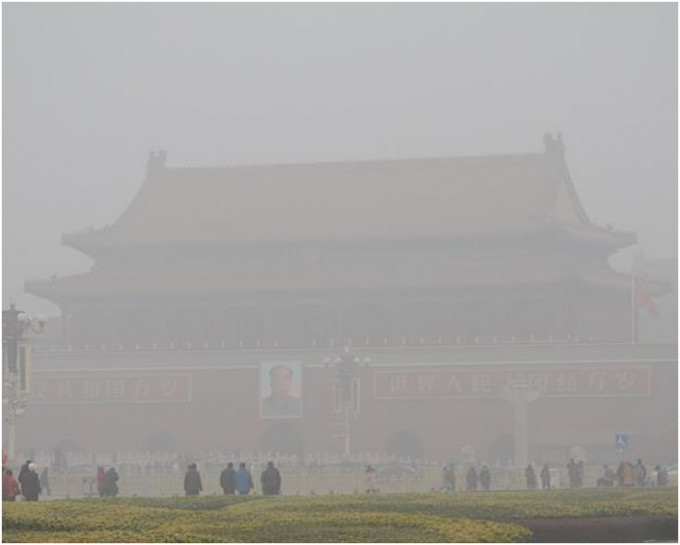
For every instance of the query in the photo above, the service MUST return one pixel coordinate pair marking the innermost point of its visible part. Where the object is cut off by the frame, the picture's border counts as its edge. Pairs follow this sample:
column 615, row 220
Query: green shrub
column 434, row 517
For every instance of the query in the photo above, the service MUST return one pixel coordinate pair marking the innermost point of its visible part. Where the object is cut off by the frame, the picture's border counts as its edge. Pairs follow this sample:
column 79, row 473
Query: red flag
column 642, row 299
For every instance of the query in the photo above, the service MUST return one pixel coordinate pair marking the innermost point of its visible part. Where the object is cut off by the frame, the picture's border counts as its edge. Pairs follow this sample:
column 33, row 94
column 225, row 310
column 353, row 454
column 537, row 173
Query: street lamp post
column 16, row 347
column 520, row 393
column 346, row 366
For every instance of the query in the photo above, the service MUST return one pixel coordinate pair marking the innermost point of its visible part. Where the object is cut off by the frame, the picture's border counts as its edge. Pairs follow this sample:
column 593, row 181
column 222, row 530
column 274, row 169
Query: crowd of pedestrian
column 630, row 475
column 233, row 481
column 473, row 478
column 107, row 482
column 132, row 464
column 240, row 481
column 627, row 475
column 575, row 473
column 27, row 484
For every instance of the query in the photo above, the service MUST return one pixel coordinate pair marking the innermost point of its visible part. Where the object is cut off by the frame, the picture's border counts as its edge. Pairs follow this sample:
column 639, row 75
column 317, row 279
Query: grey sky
column 90, row 89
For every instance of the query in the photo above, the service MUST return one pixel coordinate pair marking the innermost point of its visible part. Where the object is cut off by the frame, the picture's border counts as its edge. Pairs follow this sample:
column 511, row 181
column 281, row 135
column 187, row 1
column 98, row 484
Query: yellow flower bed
column 460, row 517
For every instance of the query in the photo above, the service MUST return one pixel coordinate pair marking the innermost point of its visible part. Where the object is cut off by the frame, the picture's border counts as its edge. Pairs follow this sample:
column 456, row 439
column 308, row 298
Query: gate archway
column 404, row 443
column 282, row 437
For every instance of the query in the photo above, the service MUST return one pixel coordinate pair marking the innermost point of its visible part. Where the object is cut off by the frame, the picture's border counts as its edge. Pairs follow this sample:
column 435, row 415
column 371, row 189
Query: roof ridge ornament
column 156, row 163
column 553, row 146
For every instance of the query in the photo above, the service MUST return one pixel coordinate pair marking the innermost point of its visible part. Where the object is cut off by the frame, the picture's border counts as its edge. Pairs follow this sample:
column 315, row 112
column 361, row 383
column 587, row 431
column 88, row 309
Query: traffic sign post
column 621, row 442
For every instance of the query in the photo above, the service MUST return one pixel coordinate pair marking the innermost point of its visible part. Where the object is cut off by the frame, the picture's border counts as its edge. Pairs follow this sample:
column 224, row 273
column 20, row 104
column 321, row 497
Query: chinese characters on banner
column 161, row 387
column 456, row 382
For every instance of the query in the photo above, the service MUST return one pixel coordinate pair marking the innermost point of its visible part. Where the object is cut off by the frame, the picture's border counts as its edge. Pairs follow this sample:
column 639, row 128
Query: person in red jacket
column 10, row 486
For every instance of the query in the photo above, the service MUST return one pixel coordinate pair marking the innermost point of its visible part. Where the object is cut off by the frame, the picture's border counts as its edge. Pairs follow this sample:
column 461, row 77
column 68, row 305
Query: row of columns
column 305, row 325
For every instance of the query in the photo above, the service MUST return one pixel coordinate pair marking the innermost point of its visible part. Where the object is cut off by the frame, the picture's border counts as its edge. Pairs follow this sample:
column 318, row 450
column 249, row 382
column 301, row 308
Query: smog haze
column 90, row 89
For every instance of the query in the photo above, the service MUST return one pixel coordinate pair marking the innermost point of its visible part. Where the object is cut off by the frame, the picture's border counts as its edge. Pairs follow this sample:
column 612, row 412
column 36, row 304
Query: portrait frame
column 278, row 408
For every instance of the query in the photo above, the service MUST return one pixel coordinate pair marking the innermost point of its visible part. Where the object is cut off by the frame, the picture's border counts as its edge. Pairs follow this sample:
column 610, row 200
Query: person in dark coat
column 111, row 483
column 271, row 480
column 607, row 478
column 192, row 481
column 485, row 478
column 545, row 477
column 639, row 473
column 370, row 480
column 30, row 488
column 661, row 476
column 228, row 479
column 448, row 478
column 244, row 480
column 609, row 475
column 23, row 471
column 471, row 478
column 531, row 477
column 572, row 470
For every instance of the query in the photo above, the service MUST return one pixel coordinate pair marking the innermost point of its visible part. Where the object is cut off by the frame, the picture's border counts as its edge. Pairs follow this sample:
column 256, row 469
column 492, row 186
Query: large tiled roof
column 449, row 197
column 425, row 214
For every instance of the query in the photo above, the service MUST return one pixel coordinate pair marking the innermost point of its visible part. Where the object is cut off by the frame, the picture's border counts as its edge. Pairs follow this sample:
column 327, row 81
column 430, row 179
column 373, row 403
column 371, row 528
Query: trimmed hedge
column 434, row 517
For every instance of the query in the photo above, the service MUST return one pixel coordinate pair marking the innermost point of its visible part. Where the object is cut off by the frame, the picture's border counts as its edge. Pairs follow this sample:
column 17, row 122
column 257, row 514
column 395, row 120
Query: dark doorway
column 282, row 437
column 501, row 450
column 404, row 443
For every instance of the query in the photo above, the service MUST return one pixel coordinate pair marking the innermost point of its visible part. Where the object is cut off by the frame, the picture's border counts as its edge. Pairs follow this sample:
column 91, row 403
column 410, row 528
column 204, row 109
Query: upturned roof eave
column 606, row 237
column 89, row 242
column 120, row 236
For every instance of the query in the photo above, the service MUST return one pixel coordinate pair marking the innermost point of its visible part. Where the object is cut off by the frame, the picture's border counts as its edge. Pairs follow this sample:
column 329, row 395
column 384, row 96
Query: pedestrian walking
column 271, row 481
column 45, row 481
column 228, row 479
column 579, row 474
column 192, row 481
column 244, row 480
column 471, row 479
column 607, row 478
column 448, row 478
column 30, row 488
column 628, row 474
column 545, row 477
column 23, row 471
column 370, row 480
column 619, row 472
column 639, row 473
column 111, row 483
column 531, row 477
column 661, row 476
column 10, row 486
column 572, row 470
column 485, row 478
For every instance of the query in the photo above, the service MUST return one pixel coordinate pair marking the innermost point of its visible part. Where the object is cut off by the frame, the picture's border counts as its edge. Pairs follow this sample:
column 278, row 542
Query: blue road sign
column 622, row 440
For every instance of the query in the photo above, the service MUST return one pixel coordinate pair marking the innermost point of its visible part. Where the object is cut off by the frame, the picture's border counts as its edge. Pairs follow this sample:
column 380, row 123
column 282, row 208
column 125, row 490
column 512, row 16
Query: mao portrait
column 281, row 390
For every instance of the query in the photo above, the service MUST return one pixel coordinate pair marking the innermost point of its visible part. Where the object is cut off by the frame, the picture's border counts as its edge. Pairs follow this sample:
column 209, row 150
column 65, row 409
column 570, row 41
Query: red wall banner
column 620, row 381
column 115, row 387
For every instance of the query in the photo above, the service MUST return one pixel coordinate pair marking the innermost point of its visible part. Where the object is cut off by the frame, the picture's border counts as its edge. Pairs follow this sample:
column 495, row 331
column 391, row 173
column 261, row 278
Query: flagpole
column 633, row 325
